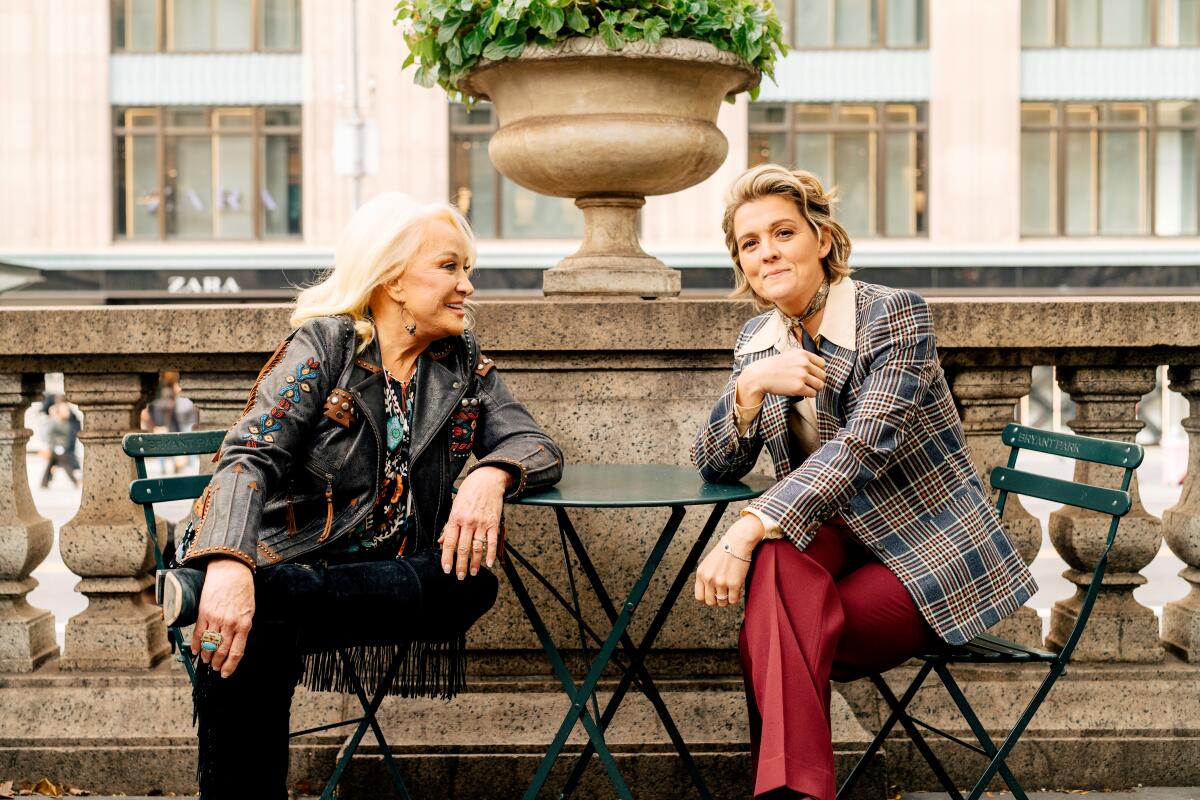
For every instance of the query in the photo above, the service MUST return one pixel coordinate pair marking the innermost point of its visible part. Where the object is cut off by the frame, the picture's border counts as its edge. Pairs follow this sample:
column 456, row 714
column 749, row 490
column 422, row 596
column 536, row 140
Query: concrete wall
column 56, row 146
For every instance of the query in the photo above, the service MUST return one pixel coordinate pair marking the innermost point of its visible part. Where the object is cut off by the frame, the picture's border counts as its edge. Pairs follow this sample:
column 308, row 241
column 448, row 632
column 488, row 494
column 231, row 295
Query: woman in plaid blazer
column 878, row 541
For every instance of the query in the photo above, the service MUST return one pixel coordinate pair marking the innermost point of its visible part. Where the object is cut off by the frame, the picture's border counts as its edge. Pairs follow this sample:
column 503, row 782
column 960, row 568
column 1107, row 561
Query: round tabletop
column 641, row 485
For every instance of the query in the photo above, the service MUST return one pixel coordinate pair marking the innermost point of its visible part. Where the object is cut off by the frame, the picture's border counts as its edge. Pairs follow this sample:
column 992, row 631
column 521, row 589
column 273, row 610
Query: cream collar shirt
column 838, row 325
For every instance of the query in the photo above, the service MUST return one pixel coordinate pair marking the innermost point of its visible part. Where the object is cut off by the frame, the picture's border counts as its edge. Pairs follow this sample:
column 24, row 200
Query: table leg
column 561, row 514
column 637, row 657
column 578, row 699
column 579, row 694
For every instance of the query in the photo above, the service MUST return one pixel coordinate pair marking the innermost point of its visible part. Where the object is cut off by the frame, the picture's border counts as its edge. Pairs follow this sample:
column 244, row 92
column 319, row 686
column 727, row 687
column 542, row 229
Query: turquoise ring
column 210, row 640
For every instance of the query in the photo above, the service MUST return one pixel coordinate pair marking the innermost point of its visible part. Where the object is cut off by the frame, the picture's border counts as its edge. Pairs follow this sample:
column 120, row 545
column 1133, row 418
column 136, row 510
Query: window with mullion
column 1110, row 169
column 873, row 155
column 855, row 24
column 496, row 207
column 199, row 174
column 205, row 26
column 1110, row 23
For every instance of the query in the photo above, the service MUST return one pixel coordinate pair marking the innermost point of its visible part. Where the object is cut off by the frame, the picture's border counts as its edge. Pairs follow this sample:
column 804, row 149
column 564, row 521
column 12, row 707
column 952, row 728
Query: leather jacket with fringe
column 301, row 469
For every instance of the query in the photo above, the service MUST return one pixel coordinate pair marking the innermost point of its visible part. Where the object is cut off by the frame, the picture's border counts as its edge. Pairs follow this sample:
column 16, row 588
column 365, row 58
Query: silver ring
column 477, row 544
column 722, row 597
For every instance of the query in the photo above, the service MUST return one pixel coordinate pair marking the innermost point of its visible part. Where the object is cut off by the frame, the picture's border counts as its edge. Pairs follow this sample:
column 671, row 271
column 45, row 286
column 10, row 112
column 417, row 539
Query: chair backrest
column 1113, row 502
column 146, row 491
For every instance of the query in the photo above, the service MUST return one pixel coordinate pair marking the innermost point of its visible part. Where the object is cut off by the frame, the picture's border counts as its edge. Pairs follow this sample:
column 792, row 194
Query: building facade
column 213, row 149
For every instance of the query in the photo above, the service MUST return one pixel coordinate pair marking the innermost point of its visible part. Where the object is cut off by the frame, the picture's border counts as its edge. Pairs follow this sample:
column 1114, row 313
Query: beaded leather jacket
column 301, row 469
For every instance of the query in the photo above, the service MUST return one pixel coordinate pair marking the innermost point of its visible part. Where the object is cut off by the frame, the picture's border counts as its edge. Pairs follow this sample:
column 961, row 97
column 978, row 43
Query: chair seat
column 986, row 648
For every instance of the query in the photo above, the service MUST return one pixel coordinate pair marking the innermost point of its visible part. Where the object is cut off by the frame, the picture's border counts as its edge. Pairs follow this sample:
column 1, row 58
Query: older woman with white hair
column 329, row 521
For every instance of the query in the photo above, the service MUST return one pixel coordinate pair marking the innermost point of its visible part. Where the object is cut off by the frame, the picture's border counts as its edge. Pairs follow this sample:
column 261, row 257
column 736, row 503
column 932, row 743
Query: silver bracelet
column 729, row 550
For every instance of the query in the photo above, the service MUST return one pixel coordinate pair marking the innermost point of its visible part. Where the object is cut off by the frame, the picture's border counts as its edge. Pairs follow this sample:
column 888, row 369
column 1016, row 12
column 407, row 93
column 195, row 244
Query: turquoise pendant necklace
column 394, row 432
column 397, row 423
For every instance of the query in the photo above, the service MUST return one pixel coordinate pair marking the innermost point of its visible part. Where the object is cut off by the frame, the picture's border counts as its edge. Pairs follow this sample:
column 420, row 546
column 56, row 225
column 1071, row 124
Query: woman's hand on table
column 721, row 576
column 471, row 536
column 227, row 607
column 796, row 373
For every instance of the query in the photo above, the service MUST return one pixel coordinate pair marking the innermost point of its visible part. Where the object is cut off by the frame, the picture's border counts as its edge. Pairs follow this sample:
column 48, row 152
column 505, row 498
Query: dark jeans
column 243, row 719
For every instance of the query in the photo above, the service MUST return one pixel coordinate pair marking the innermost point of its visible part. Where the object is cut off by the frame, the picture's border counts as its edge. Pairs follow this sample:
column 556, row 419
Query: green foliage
column 448, row 38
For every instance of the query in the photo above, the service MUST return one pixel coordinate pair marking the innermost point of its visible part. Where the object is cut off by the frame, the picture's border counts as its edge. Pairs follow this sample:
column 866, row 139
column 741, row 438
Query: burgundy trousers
column 831, row 611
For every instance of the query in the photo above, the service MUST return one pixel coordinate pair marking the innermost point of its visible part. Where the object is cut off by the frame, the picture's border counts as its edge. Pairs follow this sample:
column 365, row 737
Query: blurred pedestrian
column 170, row 412
column 62, row 432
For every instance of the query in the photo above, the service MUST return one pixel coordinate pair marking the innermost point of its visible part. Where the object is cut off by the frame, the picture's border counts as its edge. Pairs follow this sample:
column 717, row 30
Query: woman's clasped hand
column 796, row 373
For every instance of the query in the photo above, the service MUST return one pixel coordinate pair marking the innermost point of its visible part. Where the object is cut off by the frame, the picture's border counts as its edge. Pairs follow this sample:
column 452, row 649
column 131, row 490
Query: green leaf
column 510, row 47
column 576, row 21
column 654, row 29
column 556, row 20
column 454, row 53
column 608, row 32
column 494, row 19
column 426, row 76
column 472, row 42
column 449, row 28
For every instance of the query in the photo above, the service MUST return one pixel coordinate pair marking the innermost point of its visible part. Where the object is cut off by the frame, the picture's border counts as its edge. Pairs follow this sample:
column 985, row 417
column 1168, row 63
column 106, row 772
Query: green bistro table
column 617, row 486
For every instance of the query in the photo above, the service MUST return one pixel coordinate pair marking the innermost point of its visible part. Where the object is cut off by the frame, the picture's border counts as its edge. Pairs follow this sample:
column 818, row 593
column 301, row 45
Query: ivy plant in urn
column 603, row 102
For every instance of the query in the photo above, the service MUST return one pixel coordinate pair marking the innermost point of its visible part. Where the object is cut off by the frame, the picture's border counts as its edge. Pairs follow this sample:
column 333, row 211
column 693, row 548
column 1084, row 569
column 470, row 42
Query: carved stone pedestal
column 105, row 544
column 26, row 633
column 1181, row 529
column 1120, row 628
column 986, row 399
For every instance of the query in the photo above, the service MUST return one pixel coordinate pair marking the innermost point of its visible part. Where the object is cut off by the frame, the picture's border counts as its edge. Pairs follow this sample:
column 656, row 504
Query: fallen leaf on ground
column 46, row 789
column 6, row 789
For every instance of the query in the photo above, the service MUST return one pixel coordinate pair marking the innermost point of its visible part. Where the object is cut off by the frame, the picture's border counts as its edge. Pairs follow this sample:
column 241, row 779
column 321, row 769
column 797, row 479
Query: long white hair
column 381, row 238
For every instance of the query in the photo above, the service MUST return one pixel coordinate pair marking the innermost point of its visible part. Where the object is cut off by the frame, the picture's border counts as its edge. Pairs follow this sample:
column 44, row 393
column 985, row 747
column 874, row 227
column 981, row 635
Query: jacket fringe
column 427, row 669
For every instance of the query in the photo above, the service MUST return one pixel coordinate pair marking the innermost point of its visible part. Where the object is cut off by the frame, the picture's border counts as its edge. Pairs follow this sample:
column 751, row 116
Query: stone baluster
column 1119, row 629
column 1181, row 529
column 26, row 633
column 986, row 399
column 105, row 544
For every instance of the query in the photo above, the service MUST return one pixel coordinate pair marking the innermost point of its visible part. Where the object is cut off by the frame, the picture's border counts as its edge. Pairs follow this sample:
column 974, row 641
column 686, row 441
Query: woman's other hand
column 227, row 607
column 721, row 576
column 796, row 373
column 474, row 524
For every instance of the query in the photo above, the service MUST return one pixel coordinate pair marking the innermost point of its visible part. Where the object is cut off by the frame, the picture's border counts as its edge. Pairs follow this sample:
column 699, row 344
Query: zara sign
column 207, row 284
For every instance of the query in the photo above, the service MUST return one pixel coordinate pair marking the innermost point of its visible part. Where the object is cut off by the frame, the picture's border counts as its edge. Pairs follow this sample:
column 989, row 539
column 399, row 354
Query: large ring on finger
column 210, row 640
column 722, row 597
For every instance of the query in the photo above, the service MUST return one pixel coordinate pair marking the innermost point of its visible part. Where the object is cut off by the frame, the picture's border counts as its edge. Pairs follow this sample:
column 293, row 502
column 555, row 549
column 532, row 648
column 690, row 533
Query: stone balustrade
column 612, row 381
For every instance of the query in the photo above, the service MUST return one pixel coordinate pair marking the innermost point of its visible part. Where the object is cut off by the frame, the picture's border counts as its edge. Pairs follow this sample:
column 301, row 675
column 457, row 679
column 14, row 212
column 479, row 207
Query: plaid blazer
column 893, row 463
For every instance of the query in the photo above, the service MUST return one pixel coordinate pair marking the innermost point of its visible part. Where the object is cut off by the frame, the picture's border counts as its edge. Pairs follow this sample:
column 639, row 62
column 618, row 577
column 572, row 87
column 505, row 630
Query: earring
column 411, row 327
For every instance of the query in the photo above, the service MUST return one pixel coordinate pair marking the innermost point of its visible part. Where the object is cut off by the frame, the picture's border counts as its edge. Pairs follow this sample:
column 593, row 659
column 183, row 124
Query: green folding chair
column 987, row 649
column 147, row 491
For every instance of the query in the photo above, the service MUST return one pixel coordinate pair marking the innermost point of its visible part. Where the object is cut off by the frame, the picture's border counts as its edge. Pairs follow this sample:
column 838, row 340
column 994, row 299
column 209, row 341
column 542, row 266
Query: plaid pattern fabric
column 893, row 463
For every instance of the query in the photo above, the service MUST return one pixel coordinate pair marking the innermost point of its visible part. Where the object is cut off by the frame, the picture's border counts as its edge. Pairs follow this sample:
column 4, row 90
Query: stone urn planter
column 608, row 127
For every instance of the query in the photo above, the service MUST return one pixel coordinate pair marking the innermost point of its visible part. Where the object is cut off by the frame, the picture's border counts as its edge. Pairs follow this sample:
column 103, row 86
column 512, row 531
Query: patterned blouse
column 384, row 533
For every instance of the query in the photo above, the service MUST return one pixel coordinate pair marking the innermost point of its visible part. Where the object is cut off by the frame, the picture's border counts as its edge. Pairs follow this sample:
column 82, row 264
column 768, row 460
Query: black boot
column 178, row 592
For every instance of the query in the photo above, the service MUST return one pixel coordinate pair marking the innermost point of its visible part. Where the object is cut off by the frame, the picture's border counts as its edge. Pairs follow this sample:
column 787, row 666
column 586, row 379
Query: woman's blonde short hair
column 814, row 204
column 381, row 238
